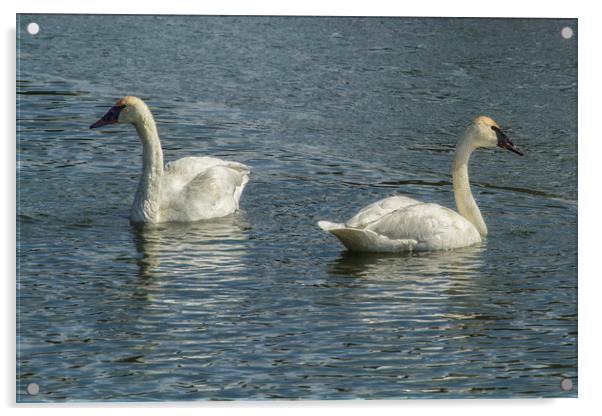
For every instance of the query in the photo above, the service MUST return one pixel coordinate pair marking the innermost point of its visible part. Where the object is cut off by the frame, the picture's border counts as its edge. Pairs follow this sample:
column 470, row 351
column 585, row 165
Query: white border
column 463, row 8
column 588, row 35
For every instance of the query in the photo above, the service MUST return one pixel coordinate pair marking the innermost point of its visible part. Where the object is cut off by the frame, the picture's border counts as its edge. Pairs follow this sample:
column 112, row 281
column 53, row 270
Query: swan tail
column 238, row 190
column 363, row 240
column 244, row 171
column 327, row 225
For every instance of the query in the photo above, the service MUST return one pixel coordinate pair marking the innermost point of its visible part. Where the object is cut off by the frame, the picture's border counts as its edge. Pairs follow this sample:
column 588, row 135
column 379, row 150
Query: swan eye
column 499, row 133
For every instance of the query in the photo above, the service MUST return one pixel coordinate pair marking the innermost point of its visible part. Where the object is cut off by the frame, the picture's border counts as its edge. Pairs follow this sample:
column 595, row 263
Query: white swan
column 188, row 189
column 400, row 223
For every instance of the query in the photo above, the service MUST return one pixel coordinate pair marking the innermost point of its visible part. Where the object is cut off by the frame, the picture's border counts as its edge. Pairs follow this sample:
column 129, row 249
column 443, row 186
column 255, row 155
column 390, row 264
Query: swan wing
column 218, row 185
column 185, row 169
column 378, row 209
column 358, row 239
column 412, row 227
column 431, row 226
column 204, row 187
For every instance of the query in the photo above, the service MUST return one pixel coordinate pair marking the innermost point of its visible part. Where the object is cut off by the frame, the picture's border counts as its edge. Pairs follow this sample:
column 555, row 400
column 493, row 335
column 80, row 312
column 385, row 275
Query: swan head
column 127, row 110
column 487, row 133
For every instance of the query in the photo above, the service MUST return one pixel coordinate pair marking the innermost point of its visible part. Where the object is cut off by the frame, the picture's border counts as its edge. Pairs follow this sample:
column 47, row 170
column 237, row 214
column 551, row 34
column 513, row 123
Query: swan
column 400, row 224
column 188, row 189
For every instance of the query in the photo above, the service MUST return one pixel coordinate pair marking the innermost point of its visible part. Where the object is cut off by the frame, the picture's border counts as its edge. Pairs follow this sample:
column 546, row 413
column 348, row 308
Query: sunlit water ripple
column 331, row 114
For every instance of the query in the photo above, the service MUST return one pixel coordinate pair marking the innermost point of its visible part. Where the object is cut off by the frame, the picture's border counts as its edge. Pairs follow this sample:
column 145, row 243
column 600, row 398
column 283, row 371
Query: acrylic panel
column 330, row 114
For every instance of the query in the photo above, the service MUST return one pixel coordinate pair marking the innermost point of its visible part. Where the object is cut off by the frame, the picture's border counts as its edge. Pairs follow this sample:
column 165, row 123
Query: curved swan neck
column 152, row 155
column 467, row 207
column 148, row 195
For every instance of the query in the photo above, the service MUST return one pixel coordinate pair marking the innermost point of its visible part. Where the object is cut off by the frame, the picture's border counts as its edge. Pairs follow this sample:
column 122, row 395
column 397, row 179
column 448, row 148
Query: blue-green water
column 331, row 114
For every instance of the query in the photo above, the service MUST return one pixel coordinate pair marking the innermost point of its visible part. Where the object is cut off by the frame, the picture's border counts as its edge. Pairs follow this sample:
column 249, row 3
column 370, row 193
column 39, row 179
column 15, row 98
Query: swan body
column 399, row 223
column 188, row 189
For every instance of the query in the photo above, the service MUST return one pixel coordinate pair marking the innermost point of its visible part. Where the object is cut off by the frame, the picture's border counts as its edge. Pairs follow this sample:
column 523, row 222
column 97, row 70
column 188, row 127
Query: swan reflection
column 419, row 266
column 187, row 274
column 446, row 283
column 438, row 271
column 199, row 247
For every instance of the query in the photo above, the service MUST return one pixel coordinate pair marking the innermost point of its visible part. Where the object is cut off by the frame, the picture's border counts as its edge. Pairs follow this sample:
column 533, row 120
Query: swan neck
column 152, row 155
column 465, row 203
column 148, row 195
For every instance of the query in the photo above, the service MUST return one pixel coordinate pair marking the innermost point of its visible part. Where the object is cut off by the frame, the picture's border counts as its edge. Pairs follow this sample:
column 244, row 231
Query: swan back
column 197, row 188
column 433, row 226
column 414, row 227
column 378, row 209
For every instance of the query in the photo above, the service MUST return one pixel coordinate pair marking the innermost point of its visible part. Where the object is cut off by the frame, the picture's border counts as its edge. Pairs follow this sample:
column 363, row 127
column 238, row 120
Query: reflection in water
column 217, row 311
column 454, row 263
column 180, row 265
column 203, row 245
column 445, row 283
column 431, row 313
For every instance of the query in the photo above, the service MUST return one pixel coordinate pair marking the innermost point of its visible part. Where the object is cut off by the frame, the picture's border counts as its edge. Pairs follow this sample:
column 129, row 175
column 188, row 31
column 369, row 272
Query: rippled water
column 331, row 114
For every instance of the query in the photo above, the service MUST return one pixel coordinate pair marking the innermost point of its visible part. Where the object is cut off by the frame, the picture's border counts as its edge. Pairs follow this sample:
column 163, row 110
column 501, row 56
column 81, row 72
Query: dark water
column 331, row 114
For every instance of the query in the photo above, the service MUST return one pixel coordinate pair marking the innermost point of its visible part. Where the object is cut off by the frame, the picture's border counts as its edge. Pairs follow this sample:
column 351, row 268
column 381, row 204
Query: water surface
column 331, row 114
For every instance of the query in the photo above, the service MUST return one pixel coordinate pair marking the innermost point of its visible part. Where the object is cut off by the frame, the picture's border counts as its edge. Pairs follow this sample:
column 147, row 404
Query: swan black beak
column 504, row 141
column 111, row 117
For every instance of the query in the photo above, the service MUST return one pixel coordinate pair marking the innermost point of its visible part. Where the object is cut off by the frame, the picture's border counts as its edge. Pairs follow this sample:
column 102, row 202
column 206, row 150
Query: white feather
column 188, row 189
column 399, row 223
